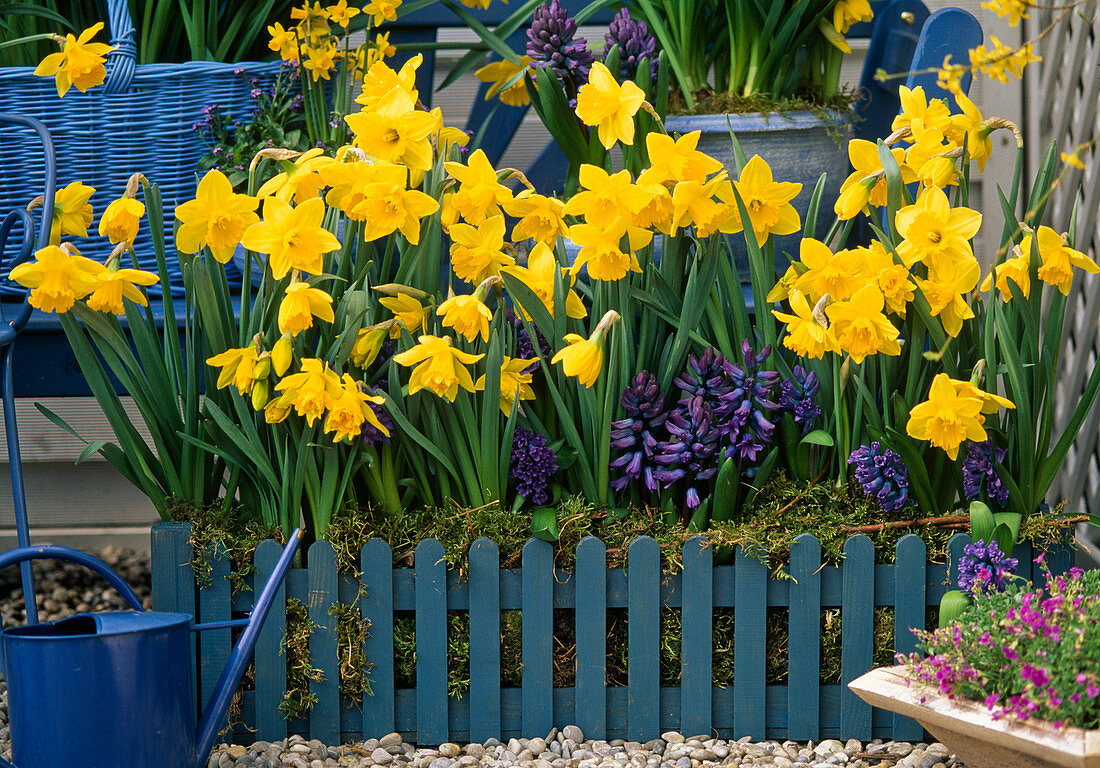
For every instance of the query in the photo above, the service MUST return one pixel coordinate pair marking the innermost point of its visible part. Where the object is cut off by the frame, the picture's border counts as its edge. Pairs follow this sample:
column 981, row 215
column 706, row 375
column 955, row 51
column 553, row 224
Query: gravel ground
column 62, row 589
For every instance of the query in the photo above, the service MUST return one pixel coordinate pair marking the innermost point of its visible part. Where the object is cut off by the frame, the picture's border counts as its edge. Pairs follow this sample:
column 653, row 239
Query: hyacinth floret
column 984, row 568
column 532, row 463
column 882, row 475
column 745, row 415
column 796, row 397
column 979, row 472
column 372, row 436
column 636, row 435
column 552, row 42
column 524, row 348
column 705, row 376
column 691, row 452
column 635, row 43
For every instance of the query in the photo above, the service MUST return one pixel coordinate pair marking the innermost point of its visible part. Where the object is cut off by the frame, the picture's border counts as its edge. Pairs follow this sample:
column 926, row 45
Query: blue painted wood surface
column 695, row 643
column 325, row 715
column 376, row 604
column 804, row 639
column 431, row 642
column 947, row 32
column 214, row 644
column 591, row 630
column 643, row 643
column 269, row 658
column 857, row 633
column 538, row 638
column 750, row 709
column 484, row 639
column 910, row 605
column 172, row 581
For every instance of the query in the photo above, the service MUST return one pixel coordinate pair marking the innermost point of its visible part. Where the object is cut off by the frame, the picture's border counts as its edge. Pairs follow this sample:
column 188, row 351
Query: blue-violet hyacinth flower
column 744, row 418
column 984, row 568
column 372, row 436
column 691, row 452
column 706, row 376
column 635, row 43
column 552, row 42
column 532, row 463
column 796, row 397
column 882, row 475
column 636, row 436
column 979, row 471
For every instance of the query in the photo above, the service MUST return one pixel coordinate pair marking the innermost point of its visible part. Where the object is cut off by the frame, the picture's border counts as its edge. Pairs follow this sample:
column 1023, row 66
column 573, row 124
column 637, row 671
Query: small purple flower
column 979, row 473
column 705, row 376
column 635, row 43
column 551, row 42
column 744, row 417
column 255, row 93
column 691, row 452
column 531, row 465
column 372, row 436
column 796, row 397
column 882, row 475
column 984, row 568
column 637, row 434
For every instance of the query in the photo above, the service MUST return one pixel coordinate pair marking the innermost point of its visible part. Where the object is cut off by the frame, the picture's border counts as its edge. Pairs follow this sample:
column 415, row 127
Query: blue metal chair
column 11, row 254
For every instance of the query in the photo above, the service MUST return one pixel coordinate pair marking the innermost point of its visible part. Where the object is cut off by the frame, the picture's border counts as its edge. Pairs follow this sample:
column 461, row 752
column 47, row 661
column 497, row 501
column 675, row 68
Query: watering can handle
column 56, row 552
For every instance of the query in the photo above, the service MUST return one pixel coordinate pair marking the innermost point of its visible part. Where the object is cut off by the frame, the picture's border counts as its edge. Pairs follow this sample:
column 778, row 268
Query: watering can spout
column 219, row 703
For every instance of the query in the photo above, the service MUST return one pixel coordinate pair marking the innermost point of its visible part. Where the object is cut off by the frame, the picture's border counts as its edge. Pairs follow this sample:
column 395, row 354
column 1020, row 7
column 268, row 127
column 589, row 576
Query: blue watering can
column 108, row 690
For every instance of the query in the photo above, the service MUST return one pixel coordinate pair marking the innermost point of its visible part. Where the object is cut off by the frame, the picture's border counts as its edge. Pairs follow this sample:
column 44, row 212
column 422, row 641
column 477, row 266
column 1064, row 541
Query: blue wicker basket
column 140, row 120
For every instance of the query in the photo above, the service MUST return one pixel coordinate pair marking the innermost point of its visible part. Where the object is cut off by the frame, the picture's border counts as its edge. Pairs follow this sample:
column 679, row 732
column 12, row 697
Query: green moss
column 298, row 701
column 351, row 631
column 228, row 525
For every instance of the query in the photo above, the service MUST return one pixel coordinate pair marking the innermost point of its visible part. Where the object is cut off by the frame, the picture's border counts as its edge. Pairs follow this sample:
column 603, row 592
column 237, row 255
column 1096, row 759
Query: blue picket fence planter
column 802, row 709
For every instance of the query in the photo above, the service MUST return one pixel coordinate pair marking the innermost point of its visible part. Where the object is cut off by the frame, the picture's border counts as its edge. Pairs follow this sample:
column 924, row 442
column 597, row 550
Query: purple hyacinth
column 706, row 376
column 984, row 568
column 980, row 473
column 744, row 416
column 796, row 397
column 882, row 475
column 531, row 465
column 635, row 43
column 551, row 42
column 636, row 435
column 691, row 452
column 372, row 436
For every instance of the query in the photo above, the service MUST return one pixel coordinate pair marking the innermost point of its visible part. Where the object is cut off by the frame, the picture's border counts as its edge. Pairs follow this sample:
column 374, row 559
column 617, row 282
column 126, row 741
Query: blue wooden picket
column 269, row 659
column 696, row 617
column 590, row 614
column 214, row 605
column 172, row 581
column 640, row 710
column 431, row 643
column 376, row 605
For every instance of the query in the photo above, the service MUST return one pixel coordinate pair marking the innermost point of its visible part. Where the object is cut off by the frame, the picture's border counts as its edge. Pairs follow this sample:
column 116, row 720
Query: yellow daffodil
column 805, row 335
column 926, row 156
column 312, row 21
column 657, row 213
column 238, row 368
column 300, row 305
column 57, row 277
column 860, row 327
column 782, row 289
column 768, row 202
column 439, row 367
column 121, row 219
column 368, row 343
column 1017, row 269
column 467, row 315
column 693, row 203
column 478, row 252
column 601, row 248
column 610, row 107
column 217, row 218
column 1058, row 259
column 321, row 60
column 79, row 63
column 935, row 232
column 293, row 238
column 892, row 279
column 395, row 131
column 946, row 289
column 540, row 217
column 282, row 355
column 300, row 180
column 867, row 183
column 378, row 195
column 539, row 276
column 380, row 79
column 970, row 127
column 72, row 211
column 407, row 310
column 310, row 391
column 990, row 403
column 499, row 73
column 382, row 11
column 915, row 105
column 838, row 275
column 605, row 196
column 675, row 160
column 479, row 193
column 515, row 382
column 342, row 13
column 283, row 41
column 583, row 357
column 114, row 285
column 349, row 409
column 947, row 417
column 848, row 12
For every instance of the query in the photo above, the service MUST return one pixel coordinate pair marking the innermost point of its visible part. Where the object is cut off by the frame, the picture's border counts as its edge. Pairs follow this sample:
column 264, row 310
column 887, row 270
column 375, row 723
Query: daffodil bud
column 262, row 369
column 282, row 355
column 260, row 391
